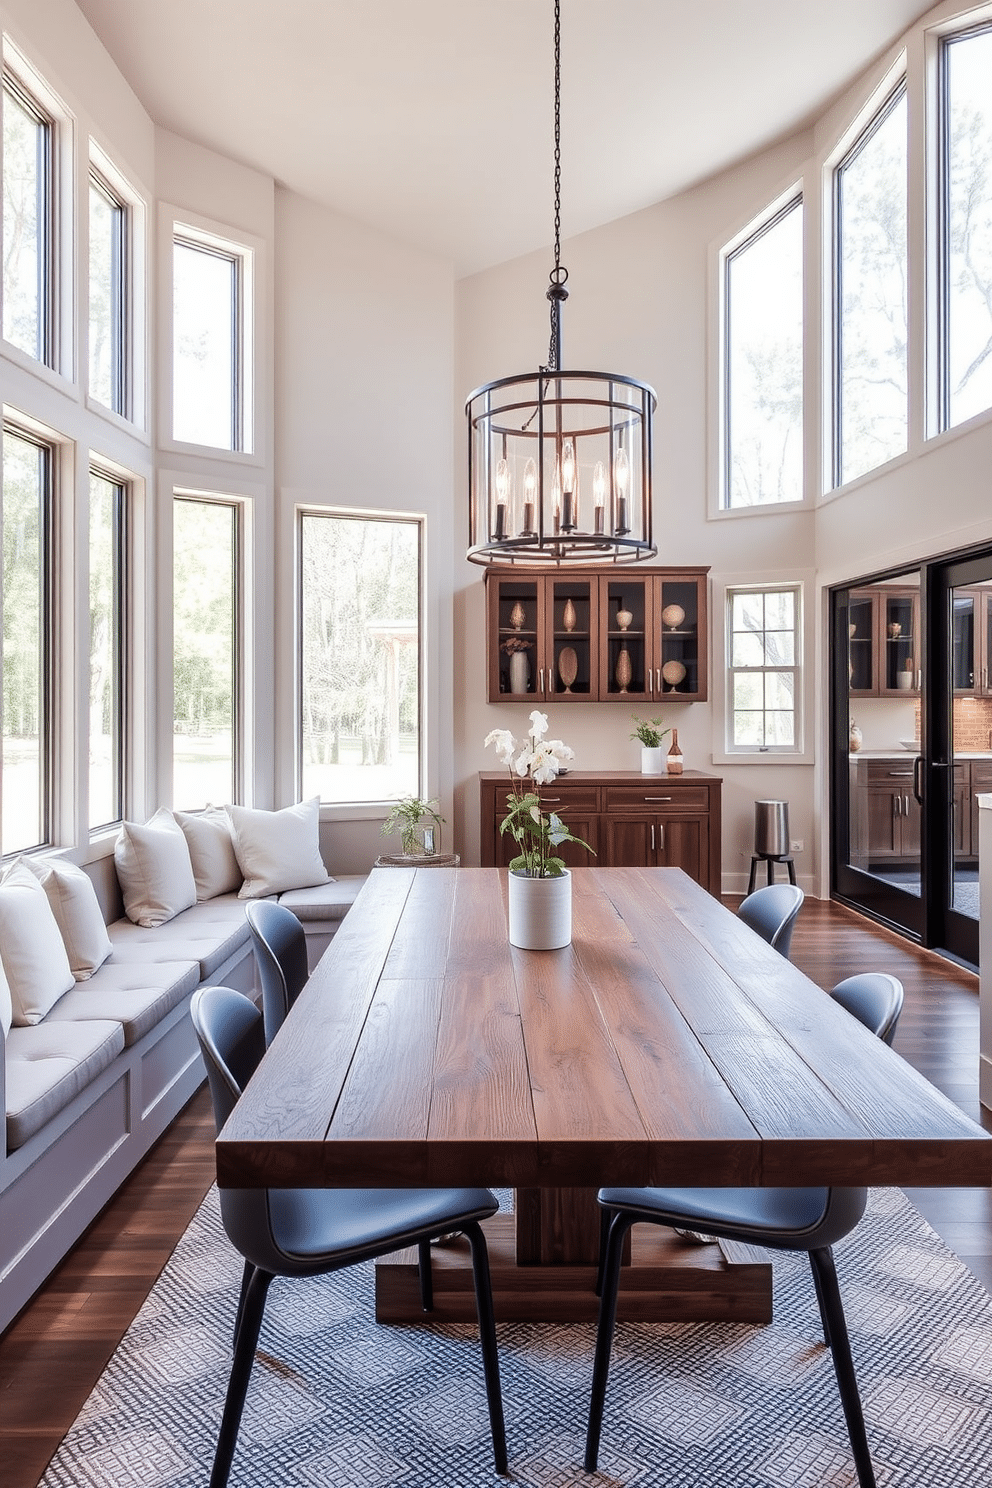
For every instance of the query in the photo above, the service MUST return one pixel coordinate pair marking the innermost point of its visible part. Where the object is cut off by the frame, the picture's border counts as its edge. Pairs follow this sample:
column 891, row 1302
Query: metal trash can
column 771, row 829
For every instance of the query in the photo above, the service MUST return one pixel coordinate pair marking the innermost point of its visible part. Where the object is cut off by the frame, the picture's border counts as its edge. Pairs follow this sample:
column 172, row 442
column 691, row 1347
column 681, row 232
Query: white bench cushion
column 48, row 1065
column 136, row 995
column 327, row 901
column 206, row 933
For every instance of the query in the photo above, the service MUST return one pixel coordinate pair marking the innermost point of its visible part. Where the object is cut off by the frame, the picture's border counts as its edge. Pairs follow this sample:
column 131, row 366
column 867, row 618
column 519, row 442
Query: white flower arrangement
column 537, row 761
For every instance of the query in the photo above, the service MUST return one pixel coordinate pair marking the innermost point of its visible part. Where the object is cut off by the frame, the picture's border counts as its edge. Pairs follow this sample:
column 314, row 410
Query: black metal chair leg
column 426, row 1276
column 619, row 1226
column 605, row 1215
column 754, row 869
column 246, row 1277
column 487, row 1335
column 835, row 1328
column 237, row 1386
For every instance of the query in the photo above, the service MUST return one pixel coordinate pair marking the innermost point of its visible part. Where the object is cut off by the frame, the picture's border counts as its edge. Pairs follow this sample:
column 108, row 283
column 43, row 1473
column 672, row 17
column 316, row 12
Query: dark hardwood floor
column 53, row 1354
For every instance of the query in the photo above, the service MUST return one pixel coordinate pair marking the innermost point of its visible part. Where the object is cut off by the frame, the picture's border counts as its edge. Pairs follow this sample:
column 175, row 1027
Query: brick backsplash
column 972, row 724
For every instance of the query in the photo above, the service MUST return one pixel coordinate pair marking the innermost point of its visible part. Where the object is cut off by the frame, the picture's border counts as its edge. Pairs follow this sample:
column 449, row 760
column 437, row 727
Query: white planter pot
column 540, row 912
column 653, row 761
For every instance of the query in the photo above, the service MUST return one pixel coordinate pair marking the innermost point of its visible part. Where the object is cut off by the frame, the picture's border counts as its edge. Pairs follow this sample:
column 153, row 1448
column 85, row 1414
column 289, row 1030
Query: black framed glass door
column 911, row 746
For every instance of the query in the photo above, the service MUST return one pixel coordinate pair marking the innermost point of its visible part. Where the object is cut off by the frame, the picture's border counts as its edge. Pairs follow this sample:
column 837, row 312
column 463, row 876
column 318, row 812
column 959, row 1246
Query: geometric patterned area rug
column 337, row 1400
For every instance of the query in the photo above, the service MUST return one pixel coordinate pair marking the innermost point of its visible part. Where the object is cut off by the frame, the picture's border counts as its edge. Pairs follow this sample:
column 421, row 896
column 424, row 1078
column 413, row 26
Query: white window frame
column 724, row 750
column 133, row 417
column 57, row 365
column 248, row 251
column 347, row 810
column 125, row 641
column 785, row 201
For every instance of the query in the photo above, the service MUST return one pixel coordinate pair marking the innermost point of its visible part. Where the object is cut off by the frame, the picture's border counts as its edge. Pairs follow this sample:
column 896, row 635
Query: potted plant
column 650, row 734
column 540, row 894
column 414, row 819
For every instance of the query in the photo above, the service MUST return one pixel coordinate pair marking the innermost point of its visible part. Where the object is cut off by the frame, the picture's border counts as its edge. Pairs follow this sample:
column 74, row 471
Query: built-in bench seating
column 91, row 1087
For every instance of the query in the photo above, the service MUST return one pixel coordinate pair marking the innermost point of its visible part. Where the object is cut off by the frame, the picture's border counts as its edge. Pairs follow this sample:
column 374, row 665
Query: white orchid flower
column 538, row 725
column 544, row 764
column 523, row 761
column 505, row 744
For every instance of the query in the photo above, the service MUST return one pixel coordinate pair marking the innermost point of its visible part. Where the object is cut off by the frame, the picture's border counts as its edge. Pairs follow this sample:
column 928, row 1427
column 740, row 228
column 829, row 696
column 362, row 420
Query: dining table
column 668, row 1044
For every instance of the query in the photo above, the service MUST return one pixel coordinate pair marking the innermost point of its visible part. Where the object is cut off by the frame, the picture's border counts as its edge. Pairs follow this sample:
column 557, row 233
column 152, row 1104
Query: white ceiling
column 432, row 119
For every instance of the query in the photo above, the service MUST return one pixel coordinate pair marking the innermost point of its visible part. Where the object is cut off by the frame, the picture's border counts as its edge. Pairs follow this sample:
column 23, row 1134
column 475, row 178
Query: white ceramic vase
column 540, row 912
column 519, row 671
column 652, row 760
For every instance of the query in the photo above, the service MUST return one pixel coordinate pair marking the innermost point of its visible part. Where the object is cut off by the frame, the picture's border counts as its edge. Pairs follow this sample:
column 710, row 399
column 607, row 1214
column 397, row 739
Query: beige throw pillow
column 277, row 850
column 154, row 869
column 77, row 913
column 34, row 958
column 211, row 851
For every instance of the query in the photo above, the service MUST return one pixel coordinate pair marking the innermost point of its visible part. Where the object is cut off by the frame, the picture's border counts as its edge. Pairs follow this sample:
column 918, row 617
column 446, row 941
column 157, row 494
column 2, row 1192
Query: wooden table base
column 669, row 1280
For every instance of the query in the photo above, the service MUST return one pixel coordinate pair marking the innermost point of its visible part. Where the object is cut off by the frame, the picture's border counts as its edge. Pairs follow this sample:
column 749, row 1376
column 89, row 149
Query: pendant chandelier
column 560, row 462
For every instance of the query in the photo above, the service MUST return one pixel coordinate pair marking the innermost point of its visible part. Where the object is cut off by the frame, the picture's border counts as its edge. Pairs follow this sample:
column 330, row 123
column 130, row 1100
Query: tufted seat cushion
column 48, row 1065
column 326, row 901
column 136, row 994
column 206, row 933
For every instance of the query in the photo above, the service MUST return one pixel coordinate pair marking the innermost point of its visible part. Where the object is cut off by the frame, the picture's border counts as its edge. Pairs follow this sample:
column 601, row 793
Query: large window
column 360, row 646
column 763, row 363
column 763, row 646
column 27, row 627
column 205, row 651
column 108, row 296
column 871, row 310
column 28, row 208
column 211, row 353
column 966, row 118
column 107, row 641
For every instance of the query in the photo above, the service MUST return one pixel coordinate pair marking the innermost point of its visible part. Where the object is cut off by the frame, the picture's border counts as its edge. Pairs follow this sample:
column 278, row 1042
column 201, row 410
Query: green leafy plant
column 408, row 817
column 649, row 731
column 536, row 833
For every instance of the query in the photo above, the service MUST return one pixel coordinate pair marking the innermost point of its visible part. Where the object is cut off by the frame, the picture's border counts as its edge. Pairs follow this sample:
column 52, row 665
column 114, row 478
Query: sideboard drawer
column 660, row 797
column 560, row 795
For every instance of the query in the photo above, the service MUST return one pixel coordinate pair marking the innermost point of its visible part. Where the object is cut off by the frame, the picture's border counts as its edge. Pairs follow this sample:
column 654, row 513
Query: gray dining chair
column 875, row 999
column 796, row 1219
column 771, row 912
column 280, row 946
column 294, row 1232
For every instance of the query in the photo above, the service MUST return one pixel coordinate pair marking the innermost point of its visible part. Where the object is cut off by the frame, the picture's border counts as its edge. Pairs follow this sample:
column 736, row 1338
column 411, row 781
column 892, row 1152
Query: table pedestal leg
column 559, row 1227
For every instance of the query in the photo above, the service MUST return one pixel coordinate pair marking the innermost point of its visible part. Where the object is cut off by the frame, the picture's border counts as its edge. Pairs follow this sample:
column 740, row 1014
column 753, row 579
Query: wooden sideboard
column 630, row 820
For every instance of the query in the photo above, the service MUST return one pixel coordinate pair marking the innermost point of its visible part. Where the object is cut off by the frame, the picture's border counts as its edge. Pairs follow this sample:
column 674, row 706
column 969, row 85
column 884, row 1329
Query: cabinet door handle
column 658, row 675
column 542, row 679
column 897, row 805
column 552, row 800
column 650, row 683
column 652, row 836
column 661, row 836
column 654, row 799
column 907, row 805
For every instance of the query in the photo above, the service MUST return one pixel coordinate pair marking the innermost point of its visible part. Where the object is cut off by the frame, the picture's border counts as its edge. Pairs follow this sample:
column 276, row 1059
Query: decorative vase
column 568, row 666
column 540, row 911
column 674, row 760
column 517, row 616
column 672, row 616
column 569, row 618
column 519, row 671
column 625, row 619
column 652, row 760
column 673, row 672
column 624, row 671
column 854, row 738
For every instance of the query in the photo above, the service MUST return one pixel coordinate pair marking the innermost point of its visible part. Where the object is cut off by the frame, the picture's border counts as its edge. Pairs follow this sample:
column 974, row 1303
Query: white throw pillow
column 6, row 1006
column 34, row 958
column 211, row 851
column 154, row 869
column 277, row 850
column 77, row 913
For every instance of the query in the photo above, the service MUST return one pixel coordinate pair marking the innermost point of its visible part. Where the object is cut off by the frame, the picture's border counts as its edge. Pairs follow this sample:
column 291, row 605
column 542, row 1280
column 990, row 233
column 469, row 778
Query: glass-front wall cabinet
column 632, row 634
column 884, row 641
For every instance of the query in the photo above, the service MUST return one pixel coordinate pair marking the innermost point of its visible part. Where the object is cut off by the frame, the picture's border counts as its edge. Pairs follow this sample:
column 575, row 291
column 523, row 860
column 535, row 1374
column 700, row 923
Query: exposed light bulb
column 530, row 495
column 621, row 485
column 502, row 495
column 599, row 496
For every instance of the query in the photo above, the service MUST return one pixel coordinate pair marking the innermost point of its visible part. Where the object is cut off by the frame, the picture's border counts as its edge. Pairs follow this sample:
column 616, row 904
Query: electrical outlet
column 797, row 845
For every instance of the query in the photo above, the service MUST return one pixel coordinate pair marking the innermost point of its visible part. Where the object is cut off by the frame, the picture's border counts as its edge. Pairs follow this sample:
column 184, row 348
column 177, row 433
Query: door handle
column 652, row 836
column 661, row 836
column 897, row 805
column 542, row 679
column 918, row 778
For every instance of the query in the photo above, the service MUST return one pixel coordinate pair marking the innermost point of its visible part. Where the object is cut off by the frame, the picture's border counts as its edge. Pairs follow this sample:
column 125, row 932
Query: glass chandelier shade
column 560, row 469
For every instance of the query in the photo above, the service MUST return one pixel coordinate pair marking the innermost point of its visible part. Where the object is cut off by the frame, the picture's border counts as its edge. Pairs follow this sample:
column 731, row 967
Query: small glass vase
column 540, row 911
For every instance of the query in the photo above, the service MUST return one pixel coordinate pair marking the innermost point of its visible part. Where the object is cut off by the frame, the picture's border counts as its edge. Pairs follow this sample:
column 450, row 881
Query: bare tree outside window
column 872, row 397
column 764, row 669
column 205, row 645
column 360, row 622
column 967, row 119
column 107, row 297
column 764, row 364
column 27, row 211
column 26, row 625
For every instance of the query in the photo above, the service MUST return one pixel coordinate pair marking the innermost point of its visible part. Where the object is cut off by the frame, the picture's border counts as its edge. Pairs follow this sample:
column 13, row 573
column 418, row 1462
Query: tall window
column 763, row 675
column 360, row 646
column 107, row 662
column 205, row 651
column 763, row 363
column 28, row 255
column 27, row 627
column 871, row 318
column 966, row 118
column 211, row 354
column 108, row 296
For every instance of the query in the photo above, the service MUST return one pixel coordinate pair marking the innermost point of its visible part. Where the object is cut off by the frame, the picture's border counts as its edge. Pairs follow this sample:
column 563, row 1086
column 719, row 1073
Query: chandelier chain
column 558, row 275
